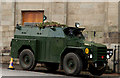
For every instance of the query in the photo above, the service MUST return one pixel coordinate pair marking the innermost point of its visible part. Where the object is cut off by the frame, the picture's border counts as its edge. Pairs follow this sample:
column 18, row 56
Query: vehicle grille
column 101, row 51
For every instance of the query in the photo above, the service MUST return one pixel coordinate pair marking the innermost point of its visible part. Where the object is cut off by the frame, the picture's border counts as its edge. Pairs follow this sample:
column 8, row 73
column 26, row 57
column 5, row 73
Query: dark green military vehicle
column 58, row 47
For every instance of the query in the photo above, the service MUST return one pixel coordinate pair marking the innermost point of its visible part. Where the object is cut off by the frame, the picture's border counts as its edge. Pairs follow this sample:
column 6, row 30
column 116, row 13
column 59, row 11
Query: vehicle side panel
column 49, row 49
column 18, row 43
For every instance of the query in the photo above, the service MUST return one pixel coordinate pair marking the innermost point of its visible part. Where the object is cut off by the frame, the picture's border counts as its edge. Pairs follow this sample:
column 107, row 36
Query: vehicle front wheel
column 97, row 71
column 27, row 60
column 72, row 64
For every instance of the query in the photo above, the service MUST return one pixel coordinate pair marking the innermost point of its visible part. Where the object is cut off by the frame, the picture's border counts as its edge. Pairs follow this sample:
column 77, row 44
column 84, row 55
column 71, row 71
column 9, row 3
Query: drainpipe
column 14, row 15
column 66, row 12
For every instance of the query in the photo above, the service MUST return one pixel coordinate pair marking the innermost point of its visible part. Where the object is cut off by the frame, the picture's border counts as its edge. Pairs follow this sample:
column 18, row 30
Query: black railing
column 116, row 61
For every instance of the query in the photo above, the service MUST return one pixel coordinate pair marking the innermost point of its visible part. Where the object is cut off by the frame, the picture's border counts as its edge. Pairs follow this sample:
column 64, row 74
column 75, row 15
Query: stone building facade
column 101, row 19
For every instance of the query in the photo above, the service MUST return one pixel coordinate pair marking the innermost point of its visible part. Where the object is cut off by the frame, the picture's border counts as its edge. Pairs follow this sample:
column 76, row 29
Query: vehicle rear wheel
column 51, row 66
column 97, row 71
column 72, row 64
column 27, row 60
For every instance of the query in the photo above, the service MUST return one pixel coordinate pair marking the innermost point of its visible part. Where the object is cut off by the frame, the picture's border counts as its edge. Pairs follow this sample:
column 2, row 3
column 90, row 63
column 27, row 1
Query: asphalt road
column 42, row 73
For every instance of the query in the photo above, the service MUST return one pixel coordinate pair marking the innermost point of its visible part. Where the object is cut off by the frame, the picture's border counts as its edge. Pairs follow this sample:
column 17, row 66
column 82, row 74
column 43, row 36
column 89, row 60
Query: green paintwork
column 17, row 43
column 49, row 43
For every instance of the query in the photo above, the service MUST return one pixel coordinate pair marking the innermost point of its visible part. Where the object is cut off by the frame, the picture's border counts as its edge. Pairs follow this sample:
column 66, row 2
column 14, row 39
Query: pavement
column 41, row 72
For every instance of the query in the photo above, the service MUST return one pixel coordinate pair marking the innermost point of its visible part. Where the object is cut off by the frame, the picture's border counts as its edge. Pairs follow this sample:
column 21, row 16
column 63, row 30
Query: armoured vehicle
column 58, row 47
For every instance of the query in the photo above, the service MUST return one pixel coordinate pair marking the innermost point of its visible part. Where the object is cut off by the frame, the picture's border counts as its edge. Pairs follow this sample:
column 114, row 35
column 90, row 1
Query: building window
column 32, row 16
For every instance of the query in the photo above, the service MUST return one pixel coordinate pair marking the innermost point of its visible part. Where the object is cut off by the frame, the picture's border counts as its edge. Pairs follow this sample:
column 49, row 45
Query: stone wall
column 53, row 11
column 99, row 18
column 7, row 24
column 91, row 15
column 112, row 29
column 0, row 28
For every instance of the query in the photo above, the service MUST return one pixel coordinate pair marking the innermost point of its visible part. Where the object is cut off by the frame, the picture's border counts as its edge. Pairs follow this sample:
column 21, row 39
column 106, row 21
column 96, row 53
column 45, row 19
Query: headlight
column 109, row 53
column 108, row 56
column 91, row 56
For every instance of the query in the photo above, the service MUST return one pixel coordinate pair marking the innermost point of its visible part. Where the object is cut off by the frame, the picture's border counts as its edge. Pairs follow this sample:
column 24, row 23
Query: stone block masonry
column 6, row 24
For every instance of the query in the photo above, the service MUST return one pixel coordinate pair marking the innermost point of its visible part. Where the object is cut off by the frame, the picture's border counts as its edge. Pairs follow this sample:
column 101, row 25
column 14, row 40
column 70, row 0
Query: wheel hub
column 71, row 64
column 26, row 59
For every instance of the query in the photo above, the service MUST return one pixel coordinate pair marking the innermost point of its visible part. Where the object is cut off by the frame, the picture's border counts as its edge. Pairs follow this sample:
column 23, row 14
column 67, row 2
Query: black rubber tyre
column 27, row 60
column 72, row 64
column 52, row 67
column 96, row 71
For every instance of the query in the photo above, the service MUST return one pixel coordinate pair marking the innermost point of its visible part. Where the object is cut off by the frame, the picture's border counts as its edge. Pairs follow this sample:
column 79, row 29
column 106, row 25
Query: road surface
column 42, row 73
